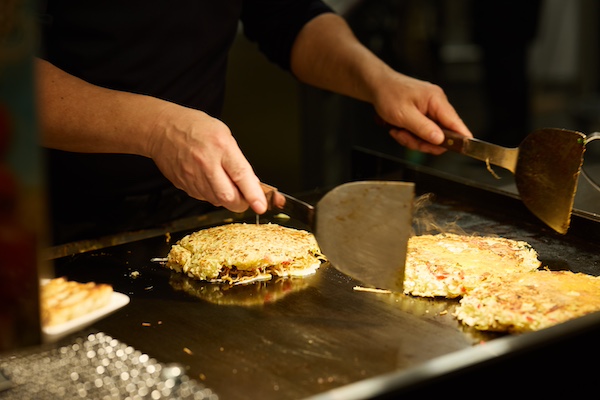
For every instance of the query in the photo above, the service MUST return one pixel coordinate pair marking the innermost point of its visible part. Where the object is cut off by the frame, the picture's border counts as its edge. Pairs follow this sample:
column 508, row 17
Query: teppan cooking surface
column 291, row 342
column 318, row 336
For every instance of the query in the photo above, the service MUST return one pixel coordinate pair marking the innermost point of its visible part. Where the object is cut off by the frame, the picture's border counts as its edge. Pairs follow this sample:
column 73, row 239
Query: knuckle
column 226, row 197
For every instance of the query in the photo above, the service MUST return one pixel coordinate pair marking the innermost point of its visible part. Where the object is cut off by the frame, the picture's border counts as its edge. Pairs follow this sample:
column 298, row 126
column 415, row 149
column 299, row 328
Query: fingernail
column 259, row 207
column 436, row 137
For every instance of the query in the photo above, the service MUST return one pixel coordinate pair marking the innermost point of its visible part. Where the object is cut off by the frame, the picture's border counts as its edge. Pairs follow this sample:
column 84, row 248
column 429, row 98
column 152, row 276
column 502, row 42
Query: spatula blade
column 363, row 229
column 548, row 168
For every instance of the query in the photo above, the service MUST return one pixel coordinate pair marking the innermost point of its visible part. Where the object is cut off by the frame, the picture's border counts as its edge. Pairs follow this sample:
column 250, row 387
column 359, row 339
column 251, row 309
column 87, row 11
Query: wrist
column 160, row 124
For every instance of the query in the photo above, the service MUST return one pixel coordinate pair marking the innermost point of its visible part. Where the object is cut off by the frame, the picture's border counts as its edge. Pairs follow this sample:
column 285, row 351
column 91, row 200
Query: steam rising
column 424, row 222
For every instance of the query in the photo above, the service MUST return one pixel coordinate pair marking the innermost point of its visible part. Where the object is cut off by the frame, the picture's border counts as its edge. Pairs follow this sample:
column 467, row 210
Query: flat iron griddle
column 322, row 338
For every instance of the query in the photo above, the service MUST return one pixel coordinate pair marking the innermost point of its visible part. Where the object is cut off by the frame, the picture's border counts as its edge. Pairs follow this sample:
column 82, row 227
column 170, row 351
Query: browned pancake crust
column 450, row 265
column 241, row 252
column 530, row 301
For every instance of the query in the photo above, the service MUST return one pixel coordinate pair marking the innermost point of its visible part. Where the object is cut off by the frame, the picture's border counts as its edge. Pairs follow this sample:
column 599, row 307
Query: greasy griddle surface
column 299, row 341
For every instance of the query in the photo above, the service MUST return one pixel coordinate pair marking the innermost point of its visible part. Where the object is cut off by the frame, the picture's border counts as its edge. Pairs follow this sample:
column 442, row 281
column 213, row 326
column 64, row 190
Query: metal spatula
column 361, row 227
column 546, row 166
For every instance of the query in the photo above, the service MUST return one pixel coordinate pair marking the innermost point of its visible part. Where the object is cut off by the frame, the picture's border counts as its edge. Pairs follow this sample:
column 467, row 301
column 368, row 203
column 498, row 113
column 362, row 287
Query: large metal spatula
column 361, row 227
column 546, row 166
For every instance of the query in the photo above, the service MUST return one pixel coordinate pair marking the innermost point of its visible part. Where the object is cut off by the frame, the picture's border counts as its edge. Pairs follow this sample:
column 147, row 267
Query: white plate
column 53, row 333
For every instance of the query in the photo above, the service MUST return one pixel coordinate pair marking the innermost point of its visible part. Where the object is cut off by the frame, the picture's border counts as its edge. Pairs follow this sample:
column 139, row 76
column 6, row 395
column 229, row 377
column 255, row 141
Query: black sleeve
column 274, row 24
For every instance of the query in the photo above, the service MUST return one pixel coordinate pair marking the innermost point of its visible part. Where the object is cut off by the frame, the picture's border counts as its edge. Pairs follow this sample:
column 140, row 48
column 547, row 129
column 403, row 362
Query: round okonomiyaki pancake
column 241, row 253
column 530, row 301
column 450, row 265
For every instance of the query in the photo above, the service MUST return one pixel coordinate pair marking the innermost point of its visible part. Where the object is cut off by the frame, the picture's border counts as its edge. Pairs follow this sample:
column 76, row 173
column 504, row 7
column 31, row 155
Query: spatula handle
column 490, row 153
column 275, row 200
column 454, row 141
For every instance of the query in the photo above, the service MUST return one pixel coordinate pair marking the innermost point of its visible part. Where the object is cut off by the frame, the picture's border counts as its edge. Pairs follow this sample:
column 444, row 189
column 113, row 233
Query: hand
column 196, row 152
column 199, row 155
column 417, row 109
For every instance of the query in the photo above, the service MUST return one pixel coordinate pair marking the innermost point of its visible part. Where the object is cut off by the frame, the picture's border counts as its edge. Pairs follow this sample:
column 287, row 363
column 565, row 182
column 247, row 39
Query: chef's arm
column 196, row 152
column 326, row 54
column 77, row 116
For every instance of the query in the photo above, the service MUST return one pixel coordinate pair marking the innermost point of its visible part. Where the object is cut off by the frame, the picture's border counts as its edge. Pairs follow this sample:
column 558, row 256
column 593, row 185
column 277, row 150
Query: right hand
column 416, row 112
column 199, row 155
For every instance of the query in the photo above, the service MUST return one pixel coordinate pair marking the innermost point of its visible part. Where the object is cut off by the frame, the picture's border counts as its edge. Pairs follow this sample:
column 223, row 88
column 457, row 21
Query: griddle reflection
column 436, row 308
column 254, row 294
column 419, row 306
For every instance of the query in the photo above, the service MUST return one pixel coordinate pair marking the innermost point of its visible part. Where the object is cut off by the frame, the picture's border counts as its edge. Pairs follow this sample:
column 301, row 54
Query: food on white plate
column 450, row 265
column 62, row 300
column 242, row 253
column 529, row 301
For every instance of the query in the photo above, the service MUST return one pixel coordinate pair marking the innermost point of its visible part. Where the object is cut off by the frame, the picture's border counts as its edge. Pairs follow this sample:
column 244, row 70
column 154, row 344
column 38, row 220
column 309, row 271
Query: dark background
column 508, row 67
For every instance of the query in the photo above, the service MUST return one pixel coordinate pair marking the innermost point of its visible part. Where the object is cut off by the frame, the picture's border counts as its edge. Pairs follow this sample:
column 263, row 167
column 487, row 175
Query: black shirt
column 175, row 50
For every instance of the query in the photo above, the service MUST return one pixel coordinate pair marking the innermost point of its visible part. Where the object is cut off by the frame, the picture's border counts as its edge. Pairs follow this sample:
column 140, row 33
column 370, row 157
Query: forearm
column 195, row 151
column 326, row 54
column 77, row 116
